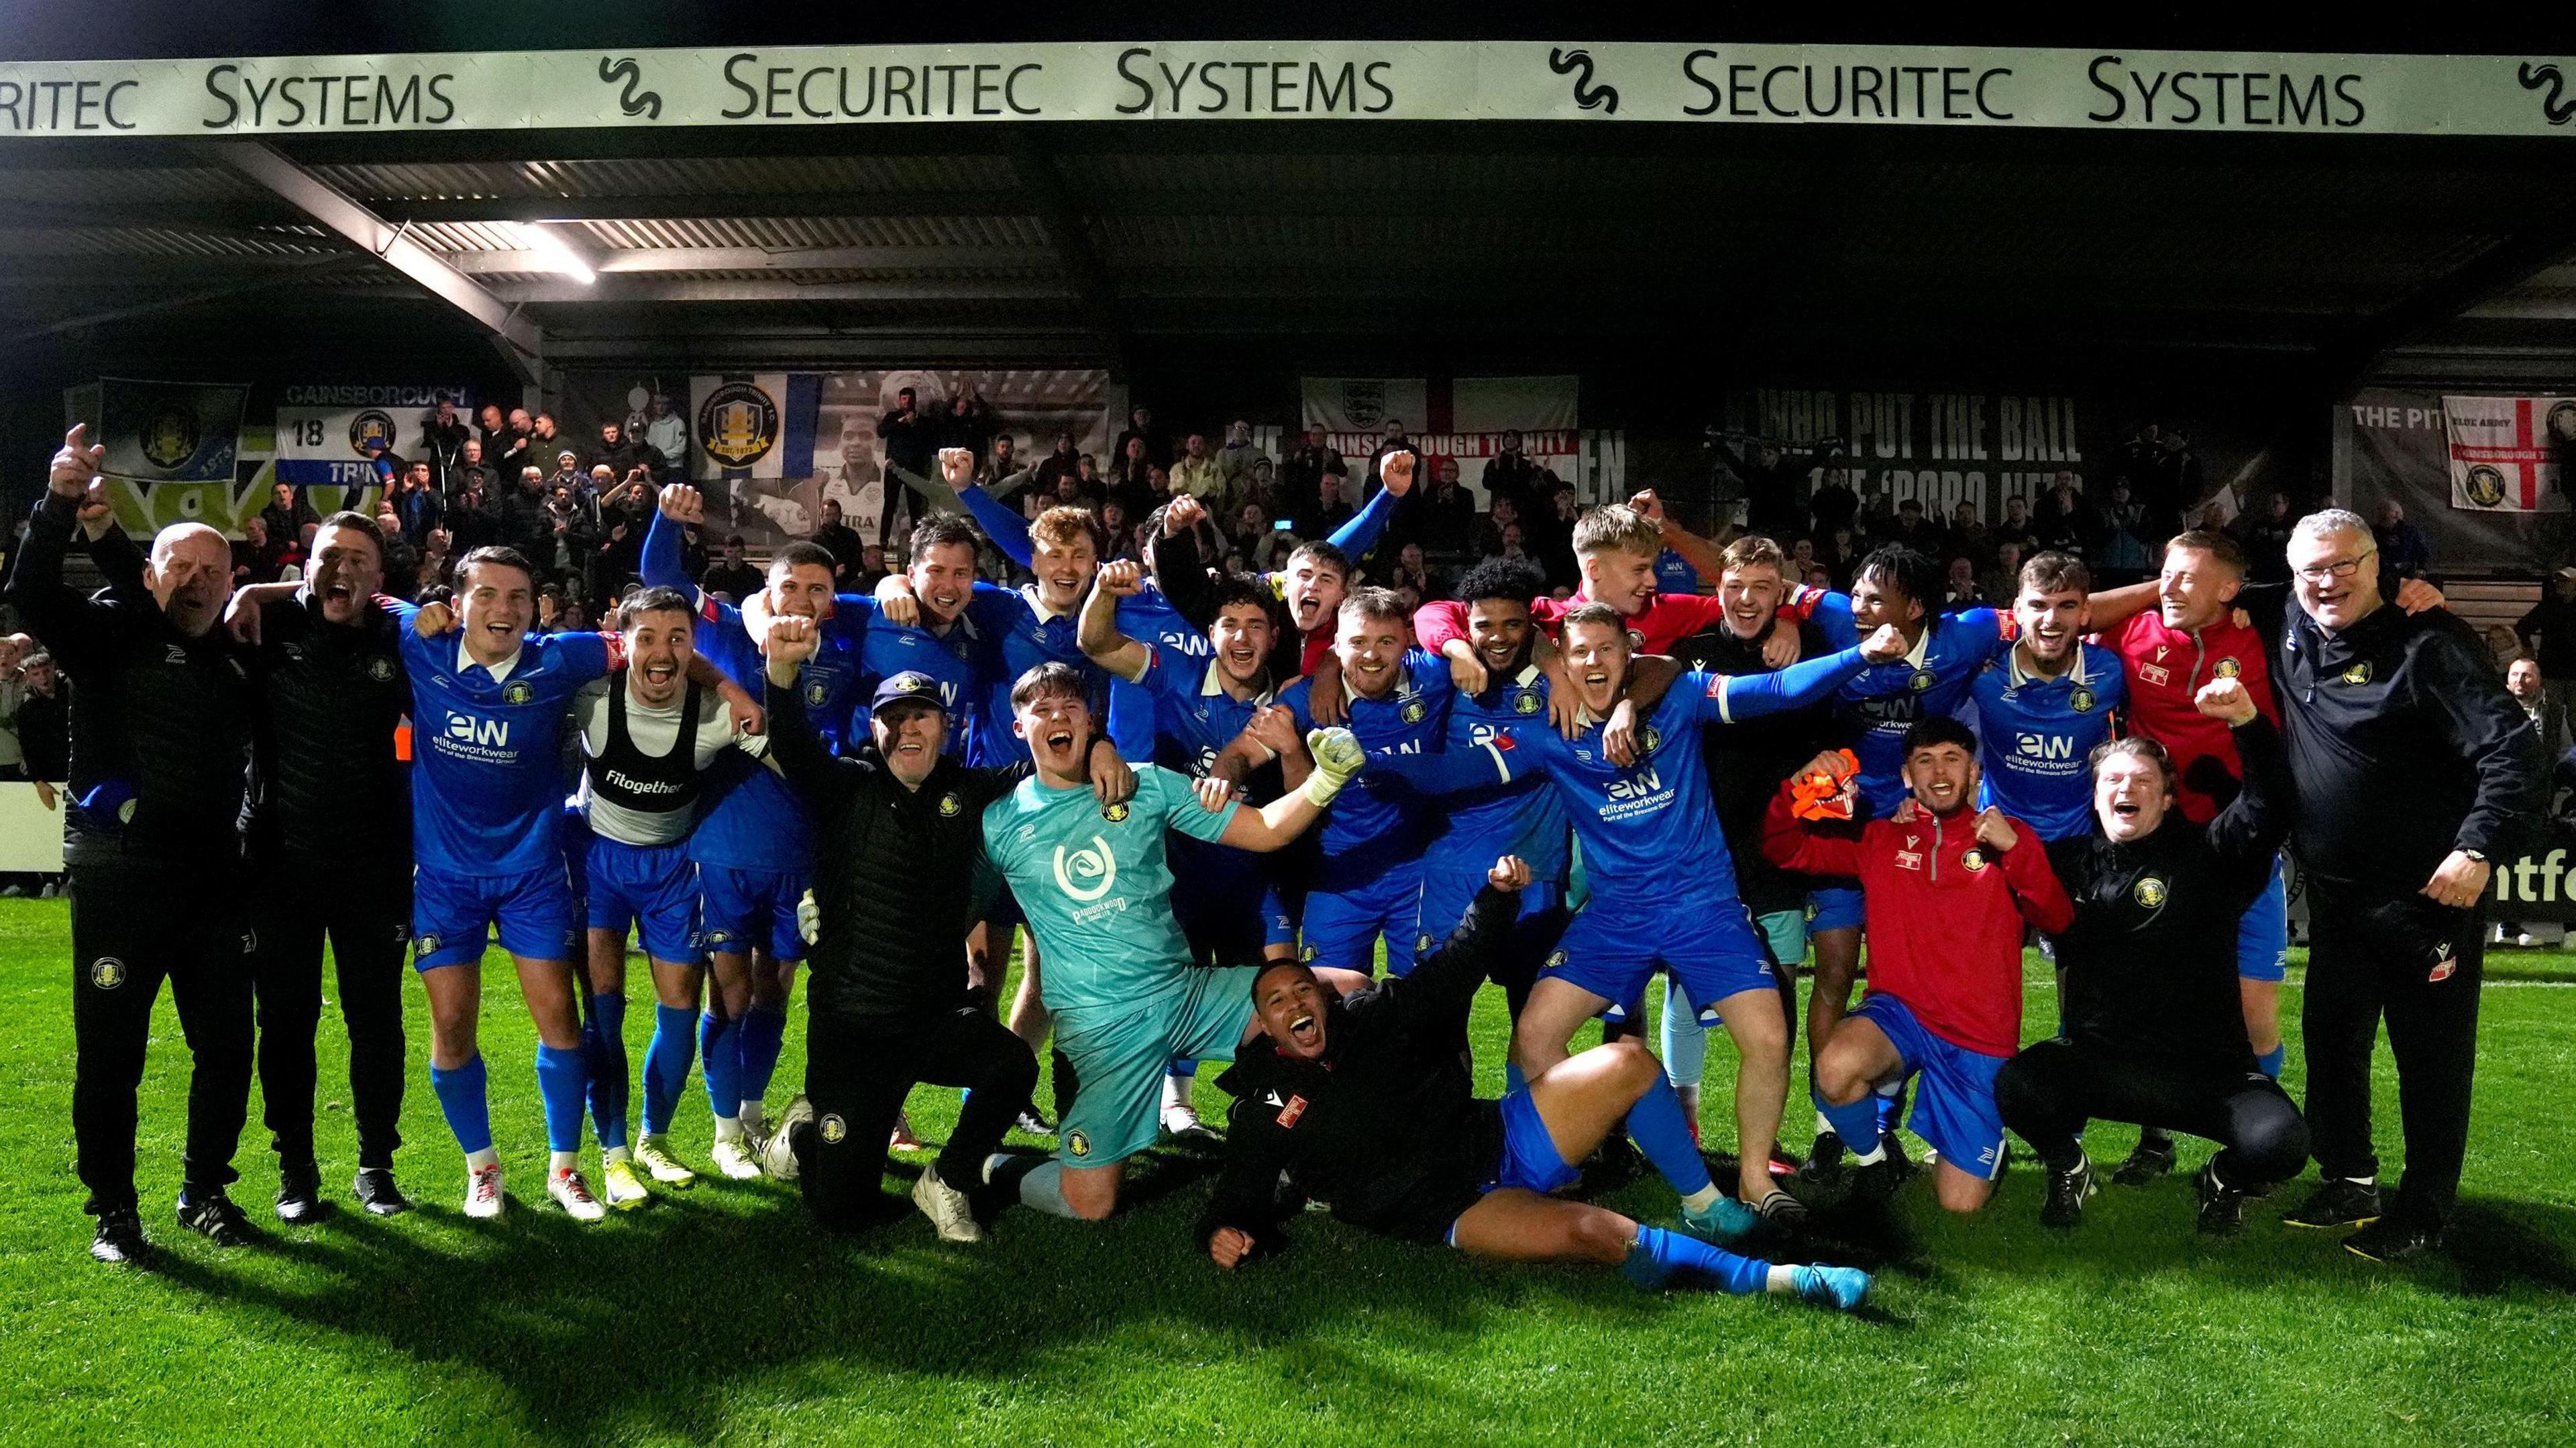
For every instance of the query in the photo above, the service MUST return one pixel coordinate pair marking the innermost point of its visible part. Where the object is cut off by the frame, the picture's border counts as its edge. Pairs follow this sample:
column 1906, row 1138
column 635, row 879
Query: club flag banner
column 769, row 449
column 170, row 432
column 324, row 433
column 1465, row 418
column 2508, row 453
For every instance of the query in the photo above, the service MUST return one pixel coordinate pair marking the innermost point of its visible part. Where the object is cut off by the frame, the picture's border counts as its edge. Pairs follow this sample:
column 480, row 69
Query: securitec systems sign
column 1441, row 81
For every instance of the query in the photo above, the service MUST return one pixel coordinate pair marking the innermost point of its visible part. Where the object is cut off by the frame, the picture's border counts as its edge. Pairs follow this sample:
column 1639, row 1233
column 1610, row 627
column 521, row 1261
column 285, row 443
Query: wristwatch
column 2478, row 855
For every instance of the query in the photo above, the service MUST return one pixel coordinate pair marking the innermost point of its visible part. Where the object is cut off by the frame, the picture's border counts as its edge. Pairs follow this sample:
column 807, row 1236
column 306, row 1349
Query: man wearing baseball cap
column 897, row 834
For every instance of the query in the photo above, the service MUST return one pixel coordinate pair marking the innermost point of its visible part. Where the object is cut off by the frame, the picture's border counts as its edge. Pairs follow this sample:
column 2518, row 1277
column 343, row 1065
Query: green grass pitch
column 717, row 1316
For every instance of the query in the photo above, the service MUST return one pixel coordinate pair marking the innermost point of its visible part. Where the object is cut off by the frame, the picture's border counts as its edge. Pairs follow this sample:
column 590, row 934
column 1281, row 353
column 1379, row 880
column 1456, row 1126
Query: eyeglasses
column 2344, row 568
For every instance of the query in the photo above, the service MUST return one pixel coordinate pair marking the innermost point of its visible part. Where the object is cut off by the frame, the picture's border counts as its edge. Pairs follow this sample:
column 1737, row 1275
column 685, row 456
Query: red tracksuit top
column 1945, row 916
column 2166, row 670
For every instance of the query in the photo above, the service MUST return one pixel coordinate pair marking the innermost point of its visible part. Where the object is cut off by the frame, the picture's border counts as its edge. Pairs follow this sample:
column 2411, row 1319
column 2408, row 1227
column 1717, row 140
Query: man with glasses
column 2414, row 768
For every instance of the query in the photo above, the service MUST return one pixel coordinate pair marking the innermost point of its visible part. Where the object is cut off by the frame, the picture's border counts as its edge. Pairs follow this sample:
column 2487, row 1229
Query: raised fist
column 683, row 504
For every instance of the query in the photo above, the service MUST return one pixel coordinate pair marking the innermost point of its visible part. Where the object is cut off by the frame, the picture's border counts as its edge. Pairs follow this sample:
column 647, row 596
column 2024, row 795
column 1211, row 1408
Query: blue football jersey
column 490, row 750
column 1650, row 832
column 2036, row 737
column 1525, row 817
column 1366, row 828
column 1883, row 700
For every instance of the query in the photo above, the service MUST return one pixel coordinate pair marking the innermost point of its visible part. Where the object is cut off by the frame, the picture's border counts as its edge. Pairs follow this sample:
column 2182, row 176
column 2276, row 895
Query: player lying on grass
column 1363, row 1101
column 2154, row 1028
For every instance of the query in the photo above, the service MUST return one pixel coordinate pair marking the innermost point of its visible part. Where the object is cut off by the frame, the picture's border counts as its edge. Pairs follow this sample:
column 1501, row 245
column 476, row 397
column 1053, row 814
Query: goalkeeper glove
column 809, row 918
column 1826, row 794
column 1338, row 758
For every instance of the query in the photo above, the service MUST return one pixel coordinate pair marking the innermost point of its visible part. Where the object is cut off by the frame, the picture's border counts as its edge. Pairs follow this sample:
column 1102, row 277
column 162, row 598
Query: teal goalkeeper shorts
column 1117, row 1062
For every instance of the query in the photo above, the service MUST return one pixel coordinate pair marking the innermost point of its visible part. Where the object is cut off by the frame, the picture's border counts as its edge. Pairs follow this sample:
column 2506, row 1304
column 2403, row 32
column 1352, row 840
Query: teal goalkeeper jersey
column 1096, row 885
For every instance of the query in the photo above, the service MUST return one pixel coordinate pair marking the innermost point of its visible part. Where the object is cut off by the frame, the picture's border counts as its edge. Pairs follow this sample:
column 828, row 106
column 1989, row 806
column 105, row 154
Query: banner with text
column 2507, row 452
column 1457, row 417
column 771, row 448
column 2393, row 445
column 2249, row 93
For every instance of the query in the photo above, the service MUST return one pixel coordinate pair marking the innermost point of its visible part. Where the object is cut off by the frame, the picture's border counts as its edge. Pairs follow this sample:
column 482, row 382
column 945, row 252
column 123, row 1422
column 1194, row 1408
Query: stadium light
column 558, row 254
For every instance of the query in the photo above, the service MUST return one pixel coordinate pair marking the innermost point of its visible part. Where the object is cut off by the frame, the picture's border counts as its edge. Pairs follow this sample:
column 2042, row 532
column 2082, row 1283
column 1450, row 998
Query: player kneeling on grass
column 2154, row 1027
column 1946, row 889
column 1362, row 1100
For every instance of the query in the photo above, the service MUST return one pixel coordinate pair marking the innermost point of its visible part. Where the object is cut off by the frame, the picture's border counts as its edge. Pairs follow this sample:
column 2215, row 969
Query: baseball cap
column 2567, row 572
column 909, row 687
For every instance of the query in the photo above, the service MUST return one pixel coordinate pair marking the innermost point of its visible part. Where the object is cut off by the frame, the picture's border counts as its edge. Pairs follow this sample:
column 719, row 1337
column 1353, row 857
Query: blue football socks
column 464, row 1101
column 603, row 1039
column 720, row 1047
column 562, row 1080
column 666, row 1064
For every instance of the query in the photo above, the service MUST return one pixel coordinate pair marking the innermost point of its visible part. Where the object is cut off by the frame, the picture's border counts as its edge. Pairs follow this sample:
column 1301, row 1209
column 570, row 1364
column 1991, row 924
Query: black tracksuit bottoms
column 2419, row 965
column 858, row 1069
column 2048, row 1092
column 365, row 911
column 135, row 923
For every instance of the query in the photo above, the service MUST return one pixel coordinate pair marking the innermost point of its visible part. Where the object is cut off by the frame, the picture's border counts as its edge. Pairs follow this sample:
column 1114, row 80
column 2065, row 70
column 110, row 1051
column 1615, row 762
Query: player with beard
column 1663, row 884
column 1367, row 885
column 1361, row 1100
column 2045, row 702
column 160, row 749
column 2153, row 1031
column 330, row 836
column 1499, row 687
column 1948, row 889
column 648, row 738
column 750, row 844
column 1097, row 885
column 489, row 703
column 1229, row 909
column 1894, row 586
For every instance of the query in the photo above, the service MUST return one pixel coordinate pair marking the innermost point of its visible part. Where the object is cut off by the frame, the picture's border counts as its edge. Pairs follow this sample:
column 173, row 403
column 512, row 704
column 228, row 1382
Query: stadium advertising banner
column 770, row 448
column 1944, row 447
column 1458, row 417
column 2252, row 93
column 2392, row 444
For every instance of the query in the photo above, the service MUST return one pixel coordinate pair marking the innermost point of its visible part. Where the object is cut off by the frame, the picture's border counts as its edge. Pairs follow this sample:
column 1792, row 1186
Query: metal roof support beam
column 518, row 339
column 1052, row 201
column 2547, row 241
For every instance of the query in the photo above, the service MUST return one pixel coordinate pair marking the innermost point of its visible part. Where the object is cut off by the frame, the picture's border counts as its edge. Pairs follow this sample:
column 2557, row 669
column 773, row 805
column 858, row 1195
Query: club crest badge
column 517, row 692
column 832, row 1128
column 2228, row 668
column 2150, row 892
column 1922, row 679
column 1527, row 701
column 1078, row 1143
column 107, row 972
column 950, row 804
column 2358, row 673
column 2081, row 700
column 1972, row 860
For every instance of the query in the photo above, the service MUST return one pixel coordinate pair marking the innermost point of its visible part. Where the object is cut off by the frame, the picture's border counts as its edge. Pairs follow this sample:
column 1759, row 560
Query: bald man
column 160, row 754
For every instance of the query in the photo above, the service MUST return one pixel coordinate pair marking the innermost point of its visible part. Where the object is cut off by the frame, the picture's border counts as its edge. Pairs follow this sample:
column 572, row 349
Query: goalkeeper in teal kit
column 1096, row 884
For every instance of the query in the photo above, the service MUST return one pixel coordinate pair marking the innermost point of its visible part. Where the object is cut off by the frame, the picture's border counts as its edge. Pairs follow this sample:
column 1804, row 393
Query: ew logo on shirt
column 485, row 733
